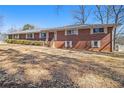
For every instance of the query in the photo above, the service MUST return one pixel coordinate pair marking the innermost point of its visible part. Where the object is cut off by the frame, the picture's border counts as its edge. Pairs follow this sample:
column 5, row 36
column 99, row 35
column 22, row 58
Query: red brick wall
column 83, row 40
column 80, row 41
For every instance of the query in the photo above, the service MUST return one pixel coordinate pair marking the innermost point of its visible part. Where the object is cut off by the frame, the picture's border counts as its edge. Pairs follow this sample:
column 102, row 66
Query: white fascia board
column 63, row 28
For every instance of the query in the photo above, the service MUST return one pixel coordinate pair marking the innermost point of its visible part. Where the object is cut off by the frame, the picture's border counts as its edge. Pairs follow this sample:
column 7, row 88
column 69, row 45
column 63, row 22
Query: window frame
column 28, row 35
column 97, row 32
column 72, row 31
column 42, row 37
column 93, row 44
column 68, row 44
column 16, row 36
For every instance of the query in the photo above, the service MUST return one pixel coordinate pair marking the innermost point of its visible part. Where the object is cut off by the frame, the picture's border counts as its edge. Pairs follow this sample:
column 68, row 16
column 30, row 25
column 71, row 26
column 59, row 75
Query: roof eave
column 63, row 28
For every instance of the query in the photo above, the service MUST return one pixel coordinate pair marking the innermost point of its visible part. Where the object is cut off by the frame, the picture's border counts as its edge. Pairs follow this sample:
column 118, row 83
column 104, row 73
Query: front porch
column 40, row 38
column 43, row 36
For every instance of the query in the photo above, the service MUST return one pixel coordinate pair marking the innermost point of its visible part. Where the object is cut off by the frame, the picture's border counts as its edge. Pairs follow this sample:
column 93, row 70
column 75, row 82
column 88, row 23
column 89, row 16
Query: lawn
column 35, row 66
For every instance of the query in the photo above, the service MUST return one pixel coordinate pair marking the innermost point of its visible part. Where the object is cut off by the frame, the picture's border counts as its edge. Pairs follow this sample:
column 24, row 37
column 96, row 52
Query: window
column 16, row 36
column 98, row 30
column 30, row 35
column 71, row 32
column 95, row 44
column 68, row 44
column 43, row 35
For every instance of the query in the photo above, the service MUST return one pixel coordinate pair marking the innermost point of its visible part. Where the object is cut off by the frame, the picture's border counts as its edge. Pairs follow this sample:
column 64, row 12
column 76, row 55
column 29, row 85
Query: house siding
column 84, row 38
column 51, row 36
column 36, row 36
column 80, row 41
column 22, row 36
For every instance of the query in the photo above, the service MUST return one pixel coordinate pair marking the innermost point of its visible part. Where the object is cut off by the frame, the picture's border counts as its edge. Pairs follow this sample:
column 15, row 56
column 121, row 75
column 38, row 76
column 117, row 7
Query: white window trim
column 91, row 30
column 92, row 44
column 105, row 30
column 33, row 35
column 41, row 33
column 30, row 37
column 66, row 32
column 70, row 44
column 66, row 44
column 16, row 36
column 55, row 35
column 26, row 36
column 75, row 31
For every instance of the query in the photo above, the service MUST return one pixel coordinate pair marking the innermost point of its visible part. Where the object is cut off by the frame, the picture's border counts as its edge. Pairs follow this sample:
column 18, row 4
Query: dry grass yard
column 34, row 66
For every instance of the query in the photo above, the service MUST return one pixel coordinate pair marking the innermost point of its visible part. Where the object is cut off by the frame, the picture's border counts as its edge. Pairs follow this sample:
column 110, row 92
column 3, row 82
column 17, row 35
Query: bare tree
column 82, row 14
column 118, row 16
column 103, row 13
column 1, row 22
column 99, row 13
column 108, row 14
column 2, row 34
column 120, row 35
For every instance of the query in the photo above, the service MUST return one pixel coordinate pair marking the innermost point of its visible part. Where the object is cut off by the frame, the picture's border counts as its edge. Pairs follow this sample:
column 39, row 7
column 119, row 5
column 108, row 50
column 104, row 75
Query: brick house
column 97, row 37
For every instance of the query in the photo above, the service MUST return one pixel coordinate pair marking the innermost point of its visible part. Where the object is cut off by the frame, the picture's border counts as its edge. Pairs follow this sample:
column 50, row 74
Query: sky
column 40, row 16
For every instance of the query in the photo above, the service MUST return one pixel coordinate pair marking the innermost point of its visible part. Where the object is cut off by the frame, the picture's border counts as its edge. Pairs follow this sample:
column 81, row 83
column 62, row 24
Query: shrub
column 26, row 42
column 37, row 43
column 18, row 41
column 10, row 40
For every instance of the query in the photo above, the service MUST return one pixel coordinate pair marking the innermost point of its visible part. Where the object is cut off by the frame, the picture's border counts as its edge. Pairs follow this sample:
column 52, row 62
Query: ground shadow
column 58, row 72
